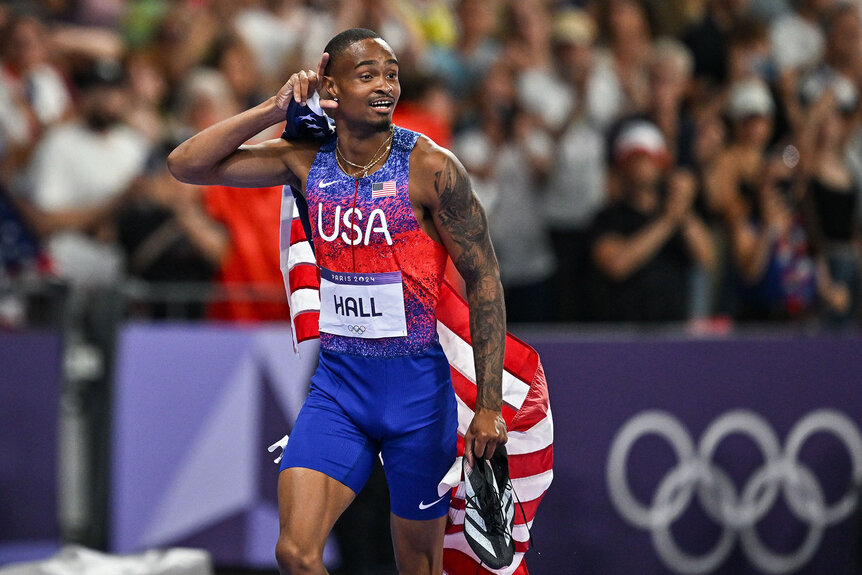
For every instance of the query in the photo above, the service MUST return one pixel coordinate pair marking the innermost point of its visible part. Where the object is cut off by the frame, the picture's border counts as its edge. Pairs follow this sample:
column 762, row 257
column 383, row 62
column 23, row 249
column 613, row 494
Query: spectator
column 643, row 245
column 527, row 48
column 242, row 224
column 463, row 65
column 527, row 43
column 670, row 82
column 167, row 235
column 203, row 98
column 736, row 172
column 671, row 71
column 29, row 70
column 748, row 54
column 844, row 41
column 828, row 186
column 395, row 22
column 588, row 86
column 749, row 58
column 750, row 110
column 436, row 19
column 249, row 265
column 507, row 161
column 780, row 280
column 33, row 92
column 148, row 93
column 577, row 179
column 81, row 173
column 277, row 31
column 233, row 58
column 426, row 106
column 184, row 37
column 630, row 45
column 797, row 37
column 709, row 40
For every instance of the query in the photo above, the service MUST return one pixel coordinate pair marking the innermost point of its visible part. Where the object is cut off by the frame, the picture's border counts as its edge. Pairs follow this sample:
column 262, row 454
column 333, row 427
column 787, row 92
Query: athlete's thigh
column 418, row 545
column 422, row 444
column 309, row 503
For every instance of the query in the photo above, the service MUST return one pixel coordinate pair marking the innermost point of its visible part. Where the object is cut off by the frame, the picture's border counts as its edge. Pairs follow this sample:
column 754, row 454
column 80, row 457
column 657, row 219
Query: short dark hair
column 344, row 40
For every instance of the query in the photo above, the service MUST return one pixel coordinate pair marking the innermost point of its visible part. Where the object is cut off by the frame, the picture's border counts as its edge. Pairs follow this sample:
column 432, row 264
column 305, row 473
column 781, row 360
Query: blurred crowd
column 639, row 160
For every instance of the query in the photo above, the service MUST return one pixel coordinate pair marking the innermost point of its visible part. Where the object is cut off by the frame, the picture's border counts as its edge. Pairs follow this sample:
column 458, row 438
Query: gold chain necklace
column 378, row 155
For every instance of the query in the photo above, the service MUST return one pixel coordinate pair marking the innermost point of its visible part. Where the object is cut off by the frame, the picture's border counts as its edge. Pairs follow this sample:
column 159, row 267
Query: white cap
column 749, row 97
column 641, row 137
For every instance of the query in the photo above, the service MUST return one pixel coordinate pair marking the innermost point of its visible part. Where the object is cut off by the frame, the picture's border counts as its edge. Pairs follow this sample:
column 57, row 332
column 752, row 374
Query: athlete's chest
column 366, row 211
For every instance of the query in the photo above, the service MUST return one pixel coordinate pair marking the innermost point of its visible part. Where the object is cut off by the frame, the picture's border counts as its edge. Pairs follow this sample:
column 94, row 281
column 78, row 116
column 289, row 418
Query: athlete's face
column 365, row 81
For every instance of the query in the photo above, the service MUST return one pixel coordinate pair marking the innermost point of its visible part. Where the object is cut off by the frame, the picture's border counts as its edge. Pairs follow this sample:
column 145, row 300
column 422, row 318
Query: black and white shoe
column 490, row 511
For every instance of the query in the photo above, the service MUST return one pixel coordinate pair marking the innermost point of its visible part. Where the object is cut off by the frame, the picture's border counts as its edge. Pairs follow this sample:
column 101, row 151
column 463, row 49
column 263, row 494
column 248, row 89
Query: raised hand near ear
column 301, row 85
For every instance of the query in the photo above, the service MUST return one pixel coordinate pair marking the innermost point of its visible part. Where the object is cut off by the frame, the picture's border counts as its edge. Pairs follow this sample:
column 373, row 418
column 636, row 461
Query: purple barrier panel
column 195, row 409
column 730, row 457
column 29, row 396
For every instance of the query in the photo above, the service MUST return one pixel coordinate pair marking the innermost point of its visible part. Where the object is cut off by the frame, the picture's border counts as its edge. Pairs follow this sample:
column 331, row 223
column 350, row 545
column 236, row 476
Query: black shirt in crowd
column 655, row 292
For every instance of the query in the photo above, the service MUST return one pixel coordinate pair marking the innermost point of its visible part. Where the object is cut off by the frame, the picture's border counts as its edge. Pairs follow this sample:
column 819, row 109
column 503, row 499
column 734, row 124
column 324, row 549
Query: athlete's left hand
column 486, row 432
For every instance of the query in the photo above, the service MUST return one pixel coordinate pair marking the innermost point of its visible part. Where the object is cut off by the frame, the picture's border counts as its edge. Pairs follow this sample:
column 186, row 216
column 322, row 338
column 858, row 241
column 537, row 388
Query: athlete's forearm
column 197, row 160
column 488, row 336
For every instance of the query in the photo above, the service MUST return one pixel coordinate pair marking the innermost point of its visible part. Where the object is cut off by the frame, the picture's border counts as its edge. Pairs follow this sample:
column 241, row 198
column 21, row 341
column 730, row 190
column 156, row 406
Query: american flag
column 383, row 189
column 526, row 407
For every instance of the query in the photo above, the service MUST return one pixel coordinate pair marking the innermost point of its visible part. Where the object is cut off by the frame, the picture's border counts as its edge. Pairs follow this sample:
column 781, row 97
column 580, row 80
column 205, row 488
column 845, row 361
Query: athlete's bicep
column 460, row 220
column 258, row 166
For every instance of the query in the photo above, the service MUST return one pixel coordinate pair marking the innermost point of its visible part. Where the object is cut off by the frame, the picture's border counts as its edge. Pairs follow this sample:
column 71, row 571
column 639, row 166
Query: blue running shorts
column 403, row 408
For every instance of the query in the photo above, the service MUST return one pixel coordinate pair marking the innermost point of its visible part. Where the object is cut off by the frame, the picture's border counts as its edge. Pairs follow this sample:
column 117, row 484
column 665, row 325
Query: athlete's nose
column 386, row 87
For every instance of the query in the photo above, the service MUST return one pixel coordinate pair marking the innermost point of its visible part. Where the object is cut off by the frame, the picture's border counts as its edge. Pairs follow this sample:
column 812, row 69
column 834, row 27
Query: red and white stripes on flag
column 526, row 406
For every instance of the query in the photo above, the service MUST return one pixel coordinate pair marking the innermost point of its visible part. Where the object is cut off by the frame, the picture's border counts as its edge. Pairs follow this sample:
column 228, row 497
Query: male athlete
column 386, row 206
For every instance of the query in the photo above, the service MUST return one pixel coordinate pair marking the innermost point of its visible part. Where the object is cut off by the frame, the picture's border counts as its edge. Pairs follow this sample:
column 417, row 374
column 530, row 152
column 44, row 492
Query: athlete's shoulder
column 428, row 157
column 305, row 146
column 297, row 154
column 433, row 170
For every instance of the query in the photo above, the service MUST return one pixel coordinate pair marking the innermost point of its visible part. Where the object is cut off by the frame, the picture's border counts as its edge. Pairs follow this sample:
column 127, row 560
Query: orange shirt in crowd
column 252, row 220
column 415, row 117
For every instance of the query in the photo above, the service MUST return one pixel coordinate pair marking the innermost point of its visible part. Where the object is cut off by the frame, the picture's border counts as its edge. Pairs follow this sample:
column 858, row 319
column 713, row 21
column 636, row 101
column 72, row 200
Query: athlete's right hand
column 302, row 84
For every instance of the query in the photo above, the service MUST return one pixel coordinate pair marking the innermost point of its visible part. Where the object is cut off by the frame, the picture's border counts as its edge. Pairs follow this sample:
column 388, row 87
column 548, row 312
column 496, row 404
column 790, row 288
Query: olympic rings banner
column 731, row 456
column 698, row 457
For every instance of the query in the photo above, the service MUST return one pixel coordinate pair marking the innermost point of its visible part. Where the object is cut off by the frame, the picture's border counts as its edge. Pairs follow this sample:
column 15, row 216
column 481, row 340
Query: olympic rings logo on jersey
column 737, row 513
column 357, row 329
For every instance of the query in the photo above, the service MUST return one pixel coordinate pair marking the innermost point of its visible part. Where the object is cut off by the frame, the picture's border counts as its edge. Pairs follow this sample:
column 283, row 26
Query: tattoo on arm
column 463, row 220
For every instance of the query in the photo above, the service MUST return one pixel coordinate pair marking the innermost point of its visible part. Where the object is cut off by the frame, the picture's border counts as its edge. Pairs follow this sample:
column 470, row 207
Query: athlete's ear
column 328, row 97
column 328, row 93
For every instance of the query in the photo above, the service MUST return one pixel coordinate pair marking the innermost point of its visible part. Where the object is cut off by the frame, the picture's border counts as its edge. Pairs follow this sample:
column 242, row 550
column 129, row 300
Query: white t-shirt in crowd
column 576, row 186
column 74, row 168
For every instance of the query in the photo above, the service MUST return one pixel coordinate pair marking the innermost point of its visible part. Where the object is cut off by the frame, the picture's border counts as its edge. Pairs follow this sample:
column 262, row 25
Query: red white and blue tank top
column 365, row 230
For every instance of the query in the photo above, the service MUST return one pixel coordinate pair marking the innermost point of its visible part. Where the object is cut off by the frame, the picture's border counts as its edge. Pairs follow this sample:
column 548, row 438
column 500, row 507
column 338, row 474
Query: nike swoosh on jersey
column 423, row 506
column 325, row 184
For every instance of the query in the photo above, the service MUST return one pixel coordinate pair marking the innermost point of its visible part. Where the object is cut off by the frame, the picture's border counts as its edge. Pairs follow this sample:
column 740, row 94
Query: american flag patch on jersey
column 383, row 189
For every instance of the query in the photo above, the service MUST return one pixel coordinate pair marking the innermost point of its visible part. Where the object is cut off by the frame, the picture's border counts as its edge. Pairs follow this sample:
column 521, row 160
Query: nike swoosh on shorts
column 423, row 506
